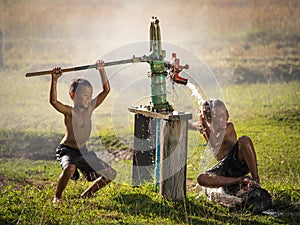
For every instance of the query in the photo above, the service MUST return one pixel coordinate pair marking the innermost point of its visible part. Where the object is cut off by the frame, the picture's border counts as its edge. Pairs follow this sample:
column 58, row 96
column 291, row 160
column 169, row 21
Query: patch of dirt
column 116, row 155
column 38, row 183
column 3, row 182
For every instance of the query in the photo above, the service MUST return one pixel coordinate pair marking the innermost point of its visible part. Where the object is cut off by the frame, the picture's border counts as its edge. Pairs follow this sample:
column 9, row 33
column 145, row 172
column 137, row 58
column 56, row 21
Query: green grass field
column 27, row 186
column 252, row 51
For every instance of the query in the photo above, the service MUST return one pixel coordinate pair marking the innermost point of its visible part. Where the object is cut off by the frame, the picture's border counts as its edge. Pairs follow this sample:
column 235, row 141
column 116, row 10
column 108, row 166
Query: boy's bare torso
column 78, row 127
column 226, row 139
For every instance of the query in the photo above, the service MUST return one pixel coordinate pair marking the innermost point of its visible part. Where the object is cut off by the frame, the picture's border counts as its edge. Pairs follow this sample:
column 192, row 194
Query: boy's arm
column 215, row 138
column 193, row 125
column 205, row 128
column 105, row 84
column 56, row 73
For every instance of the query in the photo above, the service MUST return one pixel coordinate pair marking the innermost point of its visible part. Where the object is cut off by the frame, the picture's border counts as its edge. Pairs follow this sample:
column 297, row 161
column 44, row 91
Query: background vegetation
column 251, row 47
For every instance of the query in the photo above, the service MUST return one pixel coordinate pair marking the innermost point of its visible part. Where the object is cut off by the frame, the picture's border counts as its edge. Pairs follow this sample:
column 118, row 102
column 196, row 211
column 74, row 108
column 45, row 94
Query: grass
column 30, row 203
column 27, row 186
column 252, row 47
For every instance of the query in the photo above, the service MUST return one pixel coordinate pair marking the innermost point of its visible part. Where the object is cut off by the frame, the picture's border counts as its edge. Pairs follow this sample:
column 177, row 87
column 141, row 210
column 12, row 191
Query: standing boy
column 72, row 152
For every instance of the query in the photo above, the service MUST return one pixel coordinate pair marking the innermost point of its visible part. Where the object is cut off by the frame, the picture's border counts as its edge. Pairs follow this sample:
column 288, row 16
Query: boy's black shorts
column 86, row 161
column 230, row 166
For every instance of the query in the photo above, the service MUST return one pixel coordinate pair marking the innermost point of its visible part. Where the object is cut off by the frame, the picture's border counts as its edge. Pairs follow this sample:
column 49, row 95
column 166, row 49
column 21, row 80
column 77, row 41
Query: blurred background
column 225, row 42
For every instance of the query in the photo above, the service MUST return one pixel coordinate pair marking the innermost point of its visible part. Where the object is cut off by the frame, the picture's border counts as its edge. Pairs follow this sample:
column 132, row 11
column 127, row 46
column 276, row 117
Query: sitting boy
column 236, row 156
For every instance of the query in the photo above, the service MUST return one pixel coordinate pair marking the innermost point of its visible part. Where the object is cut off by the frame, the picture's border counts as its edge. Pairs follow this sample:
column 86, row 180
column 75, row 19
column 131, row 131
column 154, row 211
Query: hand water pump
column 160, row 69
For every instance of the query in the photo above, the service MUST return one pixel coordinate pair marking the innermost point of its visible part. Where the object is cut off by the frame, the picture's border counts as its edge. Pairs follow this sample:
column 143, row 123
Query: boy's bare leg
column 247, row 153
column 63, row 181
column 96, row 185
column 215, row 181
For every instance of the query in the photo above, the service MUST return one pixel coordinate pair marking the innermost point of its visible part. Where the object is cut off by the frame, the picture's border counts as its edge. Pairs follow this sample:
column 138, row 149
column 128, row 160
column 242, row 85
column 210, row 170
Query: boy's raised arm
column 56, row 73
column 214, row 138
column 105, row 84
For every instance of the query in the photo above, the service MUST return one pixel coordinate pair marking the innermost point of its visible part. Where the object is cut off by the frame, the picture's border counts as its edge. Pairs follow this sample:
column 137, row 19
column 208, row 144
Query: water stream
column 195, row 93
column 206, row 158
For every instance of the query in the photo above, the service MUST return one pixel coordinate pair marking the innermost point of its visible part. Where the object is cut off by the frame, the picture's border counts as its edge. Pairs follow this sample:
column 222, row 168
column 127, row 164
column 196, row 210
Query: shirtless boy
column 72, row 152
column 236, row 156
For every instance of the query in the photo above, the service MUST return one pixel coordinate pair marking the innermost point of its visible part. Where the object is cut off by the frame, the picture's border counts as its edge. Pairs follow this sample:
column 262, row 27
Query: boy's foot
column 99, row 183
column 251, row 183
column 57, row 200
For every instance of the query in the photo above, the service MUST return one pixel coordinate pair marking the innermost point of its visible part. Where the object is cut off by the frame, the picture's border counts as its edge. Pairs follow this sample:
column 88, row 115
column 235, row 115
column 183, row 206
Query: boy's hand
column 99, row 64
column 56, row 72
column 251, row 183
column 203, row 118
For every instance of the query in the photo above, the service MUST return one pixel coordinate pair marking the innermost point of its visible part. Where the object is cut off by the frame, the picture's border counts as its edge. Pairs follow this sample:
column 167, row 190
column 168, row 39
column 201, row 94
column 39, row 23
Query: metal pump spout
column 179, row 80
column 176, row 69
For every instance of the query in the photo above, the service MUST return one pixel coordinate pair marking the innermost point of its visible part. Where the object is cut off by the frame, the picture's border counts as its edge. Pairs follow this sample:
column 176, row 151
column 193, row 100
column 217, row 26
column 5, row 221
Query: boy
column 236, row 156
column 72, row 152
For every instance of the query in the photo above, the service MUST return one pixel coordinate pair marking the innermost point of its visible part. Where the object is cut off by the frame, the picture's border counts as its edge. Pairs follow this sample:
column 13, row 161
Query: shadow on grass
column 29, row 145
column 186, row 212
column 41, row 145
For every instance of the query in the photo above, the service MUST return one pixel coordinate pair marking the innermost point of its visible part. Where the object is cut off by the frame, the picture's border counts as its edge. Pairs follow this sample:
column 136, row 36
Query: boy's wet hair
column 78, row 82
column 209, row 107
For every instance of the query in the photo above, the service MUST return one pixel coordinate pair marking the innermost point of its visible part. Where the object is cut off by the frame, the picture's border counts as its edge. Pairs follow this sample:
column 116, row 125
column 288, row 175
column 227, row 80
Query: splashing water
column 207, row 157
column 195, row 93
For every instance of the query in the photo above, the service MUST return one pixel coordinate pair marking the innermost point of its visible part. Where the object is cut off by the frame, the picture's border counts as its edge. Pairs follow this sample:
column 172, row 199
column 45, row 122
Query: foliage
column 241, row 41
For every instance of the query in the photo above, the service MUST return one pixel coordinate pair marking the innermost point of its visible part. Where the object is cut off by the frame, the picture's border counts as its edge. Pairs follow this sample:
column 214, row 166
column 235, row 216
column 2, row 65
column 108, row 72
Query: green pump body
column 158, row 70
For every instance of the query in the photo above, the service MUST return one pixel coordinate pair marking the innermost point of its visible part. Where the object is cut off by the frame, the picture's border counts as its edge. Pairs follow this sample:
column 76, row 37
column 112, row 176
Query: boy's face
column 220, row 118
column 83, row 96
